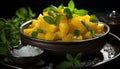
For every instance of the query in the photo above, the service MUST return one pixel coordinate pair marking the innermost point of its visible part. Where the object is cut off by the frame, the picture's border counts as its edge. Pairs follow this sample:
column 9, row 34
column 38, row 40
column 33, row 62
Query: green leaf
column 85, row 25
column 89, row 29
column 57, row 20
column 77, row 64
column 93, row 18
column 92, row 32
column 46, row 9
column 71, row 5
column 69, row 57
column 64, row 65
column 50, row 13
column 76, row 32
column 68, row 13
column 21, row 12
column 77, row 57
column 48, row 19
column 34, row 34
column 30, row 12
column 39, row 31
column 53, row 8
column 60, row 7
column 81, row 12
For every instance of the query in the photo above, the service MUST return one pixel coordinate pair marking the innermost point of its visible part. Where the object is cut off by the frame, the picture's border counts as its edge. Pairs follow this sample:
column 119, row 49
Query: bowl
column 26, row 55
column 113, row 20
column 58, row 48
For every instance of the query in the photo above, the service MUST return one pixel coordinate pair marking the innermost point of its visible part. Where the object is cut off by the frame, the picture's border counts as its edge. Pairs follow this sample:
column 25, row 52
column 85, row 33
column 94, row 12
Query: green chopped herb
column 86, row 26
column 89, row 29
column 81, row 12
column 39, row 31
column 48, row 19
column 57, row 20
column 68, row 13
column 76, row 32
column 71, row 5
column 60, row 7
column 93, row 18
column 71, row 63
column 35, row 33
column 53, row 8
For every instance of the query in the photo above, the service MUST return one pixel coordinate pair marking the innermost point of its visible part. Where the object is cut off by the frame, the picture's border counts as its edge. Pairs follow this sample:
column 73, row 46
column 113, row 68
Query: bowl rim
column 49, row 41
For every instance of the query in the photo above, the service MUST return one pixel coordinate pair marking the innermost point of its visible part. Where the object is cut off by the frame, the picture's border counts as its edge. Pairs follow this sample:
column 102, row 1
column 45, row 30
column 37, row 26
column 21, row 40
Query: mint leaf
column 60, row 7
column 46, row 9
column 21, row 13
column 39, row 31
column 68, row 13
column 92, row 32
column 57, row 20
column 69, row 57
column 50, row 13
column 34, row 34
column 81, row 12
column 77, row 57
column 77, row 64
column 76, row 32
column 71, row 5
column 89, row 29
column 85, row 25
column 93, row 18
column 53, row 8
column 48, row 19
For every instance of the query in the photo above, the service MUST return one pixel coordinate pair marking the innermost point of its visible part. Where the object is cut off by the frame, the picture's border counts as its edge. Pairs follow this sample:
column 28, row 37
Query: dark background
column 99, row 7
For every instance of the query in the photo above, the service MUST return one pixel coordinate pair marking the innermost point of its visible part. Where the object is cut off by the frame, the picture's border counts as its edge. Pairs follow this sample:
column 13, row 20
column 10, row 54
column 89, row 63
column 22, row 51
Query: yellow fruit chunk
column 52, row 28
column 41, row 36
column 28, row 31
column 88, row 35
column 76, row 23
column 67, row 38
column 49, row 36
column 64, row 29
column 100, row 28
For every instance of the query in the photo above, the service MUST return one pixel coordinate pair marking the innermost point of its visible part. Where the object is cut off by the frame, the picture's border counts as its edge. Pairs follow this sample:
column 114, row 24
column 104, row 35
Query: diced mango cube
column 41, row 36
column 49, row 36
column 52, row 28
column 64, row 28
column 87, row 35
column 67, row 38
column 28, row 31
column 100, row 28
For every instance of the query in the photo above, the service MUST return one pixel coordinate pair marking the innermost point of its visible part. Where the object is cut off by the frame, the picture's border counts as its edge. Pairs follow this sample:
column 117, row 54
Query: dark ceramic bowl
column 24, row 60
column 113, row 20
column 59, row 48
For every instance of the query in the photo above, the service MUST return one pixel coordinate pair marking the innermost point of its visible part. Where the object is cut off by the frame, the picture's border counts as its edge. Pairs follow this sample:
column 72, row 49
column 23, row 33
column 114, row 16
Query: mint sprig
column 72, row 62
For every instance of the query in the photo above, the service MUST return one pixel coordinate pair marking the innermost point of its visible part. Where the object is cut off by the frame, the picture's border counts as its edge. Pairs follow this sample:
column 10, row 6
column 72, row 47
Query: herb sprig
column 9, row 29
column 72, row 62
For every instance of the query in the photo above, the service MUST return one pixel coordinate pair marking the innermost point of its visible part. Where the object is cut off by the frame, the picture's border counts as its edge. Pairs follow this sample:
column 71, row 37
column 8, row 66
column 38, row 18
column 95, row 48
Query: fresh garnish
column 35, row 33
column 76, row 32
column 68, row 13
column 88, row 28
column 72, row 62
column 48, row 19
column 93, row 18
column 10, row 36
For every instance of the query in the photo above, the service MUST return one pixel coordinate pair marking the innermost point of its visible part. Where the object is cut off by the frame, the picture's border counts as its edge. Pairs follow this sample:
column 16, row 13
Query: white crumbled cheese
column 26, row 51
